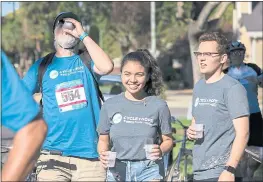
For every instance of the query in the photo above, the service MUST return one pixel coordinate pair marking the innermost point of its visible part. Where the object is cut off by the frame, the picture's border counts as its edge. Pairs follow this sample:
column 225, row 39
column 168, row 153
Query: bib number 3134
column 71, row 95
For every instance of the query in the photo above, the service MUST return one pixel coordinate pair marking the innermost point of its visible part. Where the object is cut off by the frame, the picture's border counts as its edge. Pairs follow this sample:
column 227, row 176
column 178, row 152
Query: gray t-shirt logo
column 196, row 101
column 205, row 102
column 117, row 118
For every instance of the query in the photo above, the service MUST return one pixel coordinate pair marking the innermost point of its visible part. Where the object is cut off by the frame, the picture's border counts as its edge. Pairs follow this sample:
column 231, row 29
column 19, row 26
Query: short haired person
column 70, row 105
column 220, row 104
column 133, row 118
column 19, row 113
column 251, row 77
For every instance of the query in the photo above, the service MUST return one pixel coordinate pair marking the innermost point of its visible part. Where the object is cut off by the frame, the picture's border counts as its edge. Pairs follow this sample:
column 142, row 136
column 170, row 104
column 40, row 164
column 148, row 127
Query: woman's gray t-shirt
column 216, row 105
column 130, row 123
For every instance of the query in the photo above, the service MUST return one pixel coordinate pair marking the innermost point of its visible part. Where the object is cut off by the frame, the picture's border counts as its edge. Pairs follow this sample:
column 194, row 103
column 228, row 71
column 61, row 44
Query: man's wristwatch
column 230, row 169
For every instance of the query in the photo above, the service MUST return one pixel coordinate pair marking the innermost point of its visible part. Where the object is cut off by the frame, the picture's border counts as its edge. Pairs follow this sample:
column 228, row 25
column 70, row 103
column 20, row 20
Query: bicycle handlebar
column 174, row 120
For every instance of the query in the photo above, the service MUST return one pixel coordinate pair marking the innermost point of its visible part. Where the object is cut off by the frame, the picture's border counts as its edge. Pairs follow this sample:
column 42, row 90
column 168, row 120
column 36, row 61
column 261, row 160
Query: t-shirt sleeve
column 30, row 79
column 237, row 102
column 18, row 105
column 104, row 122
column 165, row 120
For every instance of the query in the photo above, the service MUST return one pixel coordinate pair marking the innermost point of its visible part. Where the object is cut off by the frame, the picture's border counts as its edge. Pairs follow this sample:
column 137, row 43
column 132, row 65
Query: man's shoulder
column 231, row 83
column 228, row 81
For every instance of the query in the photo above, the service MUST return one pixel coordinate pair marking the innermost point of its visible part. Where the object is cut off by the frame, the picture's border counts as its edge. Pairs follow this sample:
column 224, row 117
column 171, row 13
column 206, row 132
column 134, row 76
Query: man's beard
column 66, row 41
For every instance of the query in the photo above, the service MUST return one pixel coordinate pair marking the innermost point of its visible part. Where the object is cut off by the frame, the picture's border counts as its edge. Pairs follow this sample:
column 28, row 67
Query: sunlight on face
column 209, row 64
column 134, row 77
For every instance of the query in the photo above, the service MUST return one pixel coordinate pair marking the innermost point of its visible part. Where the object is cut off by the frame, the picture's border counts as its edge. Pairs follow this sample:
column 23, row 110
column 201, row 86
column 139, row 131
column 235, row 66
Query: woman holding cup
column 136, row 124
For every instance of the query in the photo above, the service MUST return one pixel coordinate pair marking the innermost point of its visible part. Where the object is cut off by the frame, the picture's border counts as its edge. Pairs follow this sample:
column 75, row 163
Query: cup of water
column 148, row 148
column 199, row 128
column 68, row 25
column 111, row 158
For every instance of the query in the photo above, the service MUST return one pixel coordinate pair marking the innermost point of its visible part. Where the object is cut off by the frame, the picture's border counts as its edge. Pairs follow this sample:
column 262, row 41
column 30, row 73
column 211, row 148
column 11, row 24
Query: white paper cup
column 111, row 158
column 68, row 25
column 148, row 149
column 199, row 128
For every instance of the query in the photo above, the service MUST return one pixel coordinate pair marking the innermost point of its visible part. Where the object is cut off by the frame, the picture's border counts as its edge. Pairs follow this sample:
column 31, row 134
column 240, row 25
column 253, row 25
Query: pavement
column 179, row 101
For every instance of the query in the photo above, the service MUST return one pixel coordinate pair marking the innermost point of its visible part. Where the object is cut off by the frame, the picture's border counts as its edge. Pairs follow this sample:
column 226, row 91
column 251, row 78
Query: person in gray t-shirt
column 135, row 118
column 220, row 104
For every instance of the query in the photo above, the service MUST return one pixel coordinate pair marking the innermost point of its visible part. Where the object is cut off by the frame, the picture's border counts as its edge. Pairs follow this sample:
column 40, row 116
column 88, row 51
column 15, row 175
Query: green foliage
column 169, row 27
column 227, row 17
column 122, row 26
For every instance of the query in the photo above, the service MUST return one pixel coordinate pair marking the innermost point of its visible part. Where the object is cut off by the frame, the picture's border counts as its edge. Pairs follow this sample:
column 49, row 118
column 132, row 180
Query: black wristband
column 230, row 169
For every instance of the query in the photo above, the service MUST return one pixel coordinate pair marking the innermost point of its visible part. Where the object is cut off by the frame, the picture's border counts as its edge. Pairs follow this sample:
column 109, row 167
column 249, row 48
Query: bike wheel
column 175, row 174
column 32, row 176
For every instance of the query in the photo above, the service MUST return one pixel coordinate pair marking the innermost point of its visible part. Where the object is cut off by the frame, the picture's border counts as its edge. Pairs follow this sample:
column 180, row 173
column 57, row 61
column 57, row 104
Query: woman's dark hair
column 154, row 86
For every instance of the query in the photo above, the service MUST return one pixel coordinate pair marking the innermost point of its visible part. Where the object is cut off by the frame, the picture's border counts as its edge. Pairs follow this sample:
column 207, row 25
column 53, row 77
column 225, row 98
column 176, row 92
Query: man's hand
column 191, row 132
column 226, row 176
column 77, row 31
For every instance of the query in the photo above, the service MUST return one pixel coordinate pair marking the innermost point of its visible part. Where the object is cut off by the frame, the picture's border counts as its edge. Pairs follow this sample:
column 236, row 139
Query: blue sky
column 7, row 7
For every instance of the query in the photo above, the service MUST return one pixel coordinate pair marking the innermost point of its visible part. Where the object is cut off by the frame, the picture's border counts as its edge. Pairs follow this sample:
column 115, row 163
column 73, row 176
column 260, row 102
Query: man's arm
column 31, row 78
column 237, row 104
column 241, row 126
column 103, row 64
column 26, row 147
column 20, row 114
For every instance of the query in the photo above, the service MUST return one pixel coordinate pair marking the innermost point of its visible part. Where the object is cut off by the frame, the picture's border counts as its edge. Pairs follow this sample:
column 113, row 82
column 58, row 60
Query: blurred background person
column 250, row 76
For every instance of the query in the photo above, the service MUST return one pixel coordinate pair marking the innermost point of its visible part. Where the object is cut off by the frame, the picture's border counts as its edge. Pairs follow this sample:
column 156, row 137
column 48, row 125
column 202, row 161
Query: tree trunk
column 222, row 8
column 195, row 29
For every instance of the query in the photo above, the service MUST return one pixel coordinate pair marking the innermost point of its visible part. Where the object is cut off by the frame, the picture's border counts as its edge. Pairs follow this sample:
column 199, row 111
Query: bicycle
column 31, row 176
column 185, row 155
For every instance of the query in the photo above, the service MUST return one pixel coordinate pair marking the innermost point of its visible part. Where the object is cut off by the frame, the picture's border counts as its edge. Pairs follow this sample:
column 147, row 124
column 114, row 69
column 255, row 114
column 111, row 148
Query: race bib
column 71, row 95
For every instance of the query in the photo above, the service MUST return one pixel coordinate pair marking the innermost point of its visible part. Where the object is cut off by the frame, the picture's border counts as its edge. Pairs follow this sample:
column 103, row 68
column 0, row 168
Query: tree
column 199, row 24
column 130, row 25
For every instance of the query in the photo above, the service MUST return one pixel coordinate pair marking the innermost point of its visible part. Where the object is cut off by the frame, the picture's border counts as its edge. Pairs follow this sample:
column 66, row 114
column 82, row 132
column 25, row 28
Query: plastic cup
column 111, row 158
column 68, row 25
column 199, row 128
column 148, row 149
